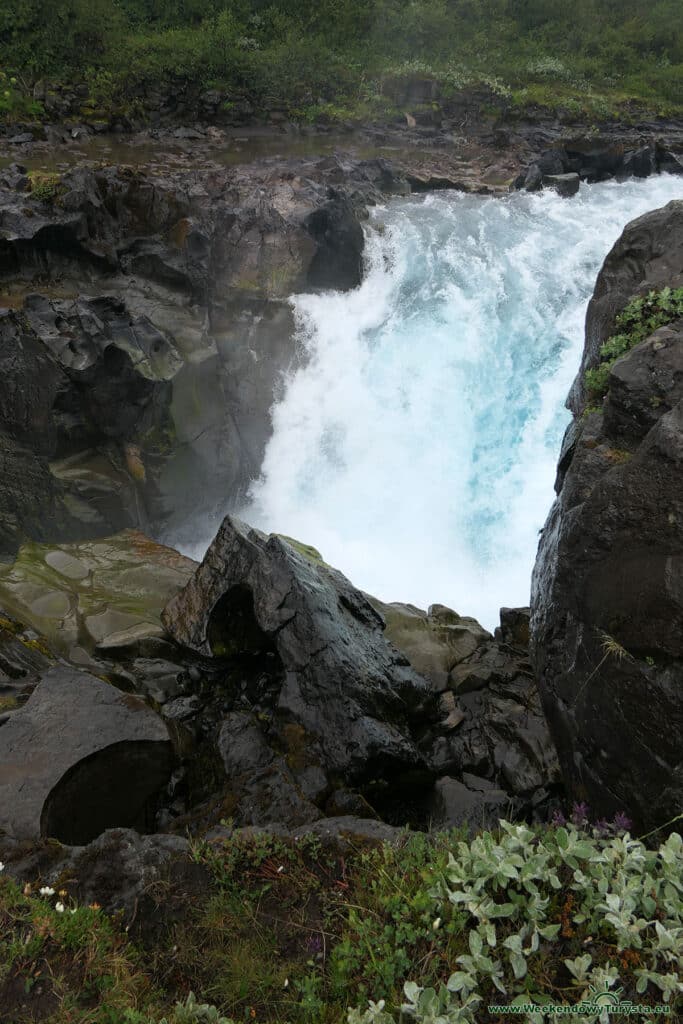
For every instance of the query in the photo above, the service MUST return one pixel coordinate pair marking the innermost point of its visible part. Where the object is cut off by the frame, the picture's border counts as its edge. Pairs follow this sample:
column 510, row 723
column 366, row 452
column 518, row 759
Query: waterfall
column 416, row 445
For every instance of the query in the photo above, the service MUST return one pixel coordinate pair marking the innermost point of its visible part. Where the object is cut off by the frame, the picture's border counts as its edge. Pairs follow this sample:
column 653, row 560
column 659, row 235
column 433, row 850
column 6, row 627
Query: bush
column 642, row 316
column 552, row 914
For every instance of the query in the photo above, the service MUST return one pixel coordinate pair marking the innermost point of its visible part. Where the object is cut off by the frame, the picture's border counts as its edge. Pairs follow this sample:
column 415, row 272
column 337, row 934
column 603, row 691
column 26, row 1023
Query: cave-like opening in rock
column 232, row 630
column 115, row 787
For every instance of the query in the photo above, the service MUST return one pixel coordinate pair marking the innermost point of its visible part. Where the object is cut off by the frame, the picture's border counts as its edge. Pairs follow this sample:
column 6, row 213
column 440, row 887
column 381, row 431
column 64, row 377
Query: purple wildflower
column 579, row 814
column 622, row 822
column 558, row 819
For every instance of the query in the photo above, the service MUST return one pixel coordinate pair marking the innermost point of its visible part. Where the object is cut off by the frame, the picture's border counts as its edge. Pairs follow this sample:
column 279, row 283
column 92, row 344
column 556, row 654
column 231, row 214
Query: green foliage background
column 304, row 55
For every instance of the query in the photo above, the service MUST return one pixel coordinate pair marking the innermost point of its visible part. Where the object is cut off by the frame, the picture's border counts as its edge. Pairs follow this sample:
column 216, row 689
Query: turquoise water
column 416, row 447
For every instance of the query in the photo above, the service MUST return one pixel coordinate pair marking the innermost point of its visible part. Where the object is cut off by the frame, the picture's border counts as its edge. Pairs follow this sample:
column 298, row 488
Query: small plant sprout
column 612, row 649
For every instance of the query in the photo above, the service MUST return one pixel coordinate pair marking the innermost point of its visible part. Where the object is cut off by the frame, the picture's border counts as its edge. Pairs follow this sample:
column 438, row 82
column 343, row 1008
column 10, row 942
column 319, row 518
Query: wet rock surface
column 78, row 757
column 346, row 696
column 284, row 699
column 94, row 597
column 603, row 158
column 146, row 374
column 24, row 658
column 85, row 405
column 648, row 254
column 606, row 600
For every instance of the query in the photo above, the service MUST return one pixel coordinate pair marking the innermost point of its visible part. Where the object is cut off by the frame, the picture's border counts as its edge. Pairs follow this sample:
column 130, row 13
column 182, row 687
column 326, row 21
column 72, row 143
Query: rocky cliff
column 143, row 373
column 607, row 592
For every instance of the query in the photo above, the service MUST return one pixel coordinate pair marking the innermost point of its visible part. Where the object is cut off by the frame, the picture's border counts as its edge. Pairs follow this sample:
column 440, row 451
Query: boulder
column 338, row 259
column 639, row 163
column 489, row 720
column 514, row 627
column 151, row 880
column 495, row 726
column 565, row 185
column 669, row 162
column 456, row 805
column 647, row 255
column 264, row 784
column 78, row 758
column 346, row 700
column 435, row 641
column 532, row 180
column 607, row 591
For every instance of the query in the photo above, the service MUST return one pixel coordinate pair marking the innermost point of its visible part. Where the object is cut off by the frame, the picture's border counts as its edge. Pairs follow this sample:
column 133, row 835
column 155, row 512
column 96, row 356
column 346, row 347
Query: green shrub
column 642, row 316
column 432, row 927
column 551, row 917
column 295, row 56
column 45, row 187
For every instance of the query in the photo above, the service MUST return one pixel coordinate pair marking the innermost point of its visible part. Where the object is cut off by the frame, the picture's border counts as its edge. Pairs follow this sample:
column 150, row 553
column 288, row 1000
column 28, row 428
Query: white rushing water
column 417, row 446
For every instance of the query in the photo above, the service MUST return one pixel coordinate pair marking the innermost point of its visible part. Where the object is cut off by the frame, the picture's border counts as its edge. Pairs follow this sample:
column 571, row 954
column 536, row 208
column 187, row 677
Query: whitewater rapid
column 416, row 447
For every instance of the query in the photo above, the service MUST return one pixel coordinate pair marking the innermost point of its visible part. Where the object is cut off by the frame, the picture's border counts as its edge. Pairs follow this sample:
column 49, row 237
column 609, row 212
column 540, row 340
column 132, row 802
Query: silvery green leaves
column 523, row 890
column 192, row 1012
column 374, row 1014
column 428, row 1006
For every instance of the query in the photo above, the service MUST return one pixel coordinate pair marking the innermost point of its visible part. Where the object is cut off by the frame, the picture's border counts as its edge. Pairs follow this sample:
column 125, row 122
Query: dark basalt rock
column 347, row 697
column 514, row 627
column 151, row 880
column 586, row 159
column 31, row 500
column 84, row 381
column 78, row 758
column 176, row 385
column 500, row 732
column 566, row 185
column 490, row 719
column 607, row 597
column 649, row 254
column 455, row 805
column 338, row 261
column 24, row 659
column 645, row 384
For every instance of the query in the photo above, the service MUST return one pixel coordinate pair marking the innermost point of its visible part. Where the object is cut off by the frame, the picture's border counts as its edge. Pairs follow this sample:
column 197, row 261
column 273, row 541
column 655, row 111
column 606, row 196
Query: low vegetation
column 44, row 186
column 336, row 59
column 433, row 929
column 641, row 317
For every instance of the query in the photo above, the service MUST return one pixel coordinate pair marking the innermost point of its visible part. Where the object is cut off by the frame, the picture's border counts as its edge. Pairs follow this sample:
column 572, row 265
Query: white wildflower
column 436, row 924
column 59, row 907
column 46, row 890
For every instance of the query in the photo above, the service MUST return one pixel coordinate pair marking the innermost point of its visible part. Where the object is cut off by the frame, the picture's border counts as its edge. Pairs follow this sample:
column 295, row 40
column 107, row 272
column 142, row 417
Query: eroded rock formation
column 156, row 385
column 79, row 756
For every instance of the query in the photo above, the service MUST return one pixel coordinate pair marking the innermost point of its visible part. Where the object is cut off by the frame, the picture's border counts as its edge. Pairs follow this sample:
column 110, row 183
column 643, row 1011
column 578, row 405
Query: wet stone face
column 80, row 757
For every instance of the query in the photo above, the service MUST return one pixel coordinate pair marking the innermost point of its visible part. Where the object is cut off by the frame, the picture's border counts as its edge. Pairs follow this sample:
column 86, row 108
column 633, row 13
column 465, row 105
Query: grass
column 292, row 932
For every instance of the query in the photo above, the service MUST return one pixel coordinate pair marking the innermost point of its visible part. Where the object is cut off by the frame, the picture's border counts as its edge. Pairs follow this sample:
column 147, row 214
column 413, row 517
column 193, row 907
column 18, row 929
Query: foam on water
column 417, row 446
